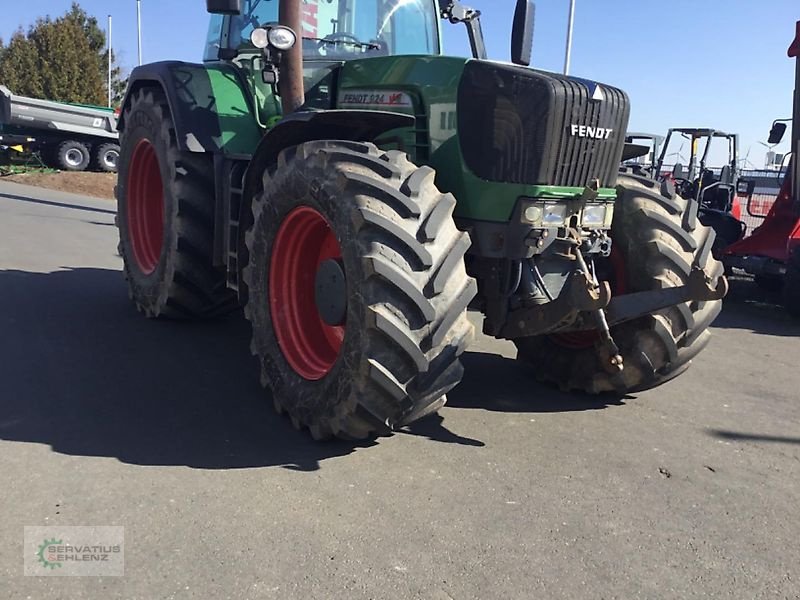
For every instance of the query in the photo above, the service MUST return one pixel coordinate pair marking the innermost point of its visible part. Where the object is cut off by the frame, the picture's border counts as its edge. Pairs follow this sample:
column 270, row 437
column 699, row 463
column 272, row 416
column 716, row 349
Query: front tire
column 380, row 346
column 166, row 218
column 657, row 241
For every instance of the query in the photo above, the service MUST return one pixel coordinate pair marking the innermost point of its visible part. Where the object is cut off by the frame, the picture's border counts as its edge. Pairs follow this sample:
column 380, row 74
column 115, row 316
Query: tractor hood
column 520, row 125
column 513, row 124
column 494, row 132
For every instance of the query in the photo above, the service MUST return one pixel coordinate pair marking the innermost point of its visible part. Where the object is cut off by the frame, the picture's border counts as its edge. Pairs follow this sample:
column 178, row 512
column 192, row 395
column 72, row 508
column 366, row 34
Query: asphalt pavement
column 515, row 490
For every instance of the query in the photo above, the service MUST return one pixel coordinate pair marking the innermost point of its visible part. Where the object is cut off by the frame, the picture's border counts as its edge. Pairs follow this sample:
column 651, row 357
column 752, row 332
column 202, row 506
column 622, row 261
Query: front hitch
column 699, row 288
column 581, row 294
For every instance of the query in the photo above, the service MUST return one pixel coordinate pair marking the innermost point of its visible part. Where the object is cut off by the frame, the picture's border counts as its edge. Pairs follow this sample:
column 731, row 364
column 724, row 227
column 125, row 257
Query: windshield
column 343, row 29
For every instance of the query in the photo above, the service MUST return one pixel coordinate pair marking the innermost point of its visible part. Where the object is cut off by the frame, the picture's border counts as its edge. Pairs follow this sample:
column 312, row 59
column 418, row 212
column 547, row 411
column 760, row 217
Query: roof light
column 260, row 37
column 281, row 38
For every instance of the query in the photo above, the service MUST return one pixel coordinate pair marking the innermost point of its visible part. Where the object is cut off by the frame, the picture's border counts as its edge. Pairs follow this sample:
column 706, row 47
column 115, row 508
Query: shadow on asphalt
column 749, row 307
column 84, row 373
column 433, row 428
column 753, row 437
column 60, row 204
column 87, row 375
column 493, row 382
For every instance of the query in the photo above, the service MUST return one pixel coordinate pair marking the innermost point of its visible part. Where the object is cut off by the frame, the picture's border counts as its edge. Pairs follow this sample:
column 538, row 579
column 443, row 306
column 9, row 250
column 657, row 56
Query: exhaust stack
column 291, row 66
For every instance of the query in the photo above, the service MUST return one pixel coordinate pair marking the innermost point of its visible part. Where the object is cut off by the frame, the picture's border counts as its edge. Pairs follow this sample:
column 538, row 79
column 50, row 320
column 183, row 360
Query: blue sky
column 716, row 63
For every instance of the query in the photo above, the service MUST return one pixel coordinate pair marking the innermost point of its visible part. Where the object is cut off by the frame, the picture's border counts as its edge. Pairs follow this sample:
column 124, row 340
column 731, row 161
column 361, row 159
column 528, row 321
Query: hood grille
column 516, row 125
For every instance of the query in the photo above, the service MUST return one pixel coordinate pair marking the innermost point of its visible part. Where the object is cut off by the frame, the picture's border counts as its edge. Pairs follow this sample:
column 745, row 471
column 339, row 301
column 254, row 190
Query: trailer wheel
column 106, row 158
column 72, row 155
column 657, row 240
column 791, row 287
column 166, row 218
column 357, row 289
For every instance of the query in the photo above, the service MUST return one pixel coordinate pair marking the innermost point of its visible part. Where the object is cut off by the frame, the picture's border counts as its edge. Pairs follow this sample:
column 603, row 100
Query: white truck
column 71, row 137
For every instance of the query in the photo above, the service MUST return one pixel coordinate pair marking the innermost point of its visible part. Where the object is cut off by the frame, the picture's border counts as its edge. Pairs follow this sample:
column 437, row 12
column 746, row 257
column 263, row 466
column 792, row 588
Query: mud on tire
column 176, row 277
column 406, row 288
column 659, row 239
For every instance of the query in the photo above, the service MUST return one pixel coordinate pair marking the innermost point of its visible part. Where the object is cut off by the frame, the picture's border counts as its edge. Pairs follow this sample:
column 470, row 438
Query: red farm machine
column 772, row 252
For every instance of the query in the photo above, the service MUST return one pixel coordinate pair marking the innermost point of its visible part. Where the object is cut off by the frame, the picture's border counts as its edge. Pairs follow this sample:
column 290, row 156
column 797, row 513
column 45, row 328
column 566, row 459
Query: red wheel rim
column 580, row 340
column 145, row 196
column 305, row 239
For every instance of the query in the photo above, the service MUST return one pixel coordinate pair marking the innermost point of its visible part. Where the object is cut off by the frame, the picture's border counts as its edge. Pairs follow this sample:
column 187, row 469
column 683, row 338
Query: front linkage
column 576, row 297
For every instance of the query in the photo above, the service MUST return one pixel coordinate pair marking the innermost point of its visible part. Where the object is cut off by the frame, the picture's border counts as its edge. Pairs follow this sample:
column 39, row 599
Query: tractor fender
column 306, row 126
column 211, row 110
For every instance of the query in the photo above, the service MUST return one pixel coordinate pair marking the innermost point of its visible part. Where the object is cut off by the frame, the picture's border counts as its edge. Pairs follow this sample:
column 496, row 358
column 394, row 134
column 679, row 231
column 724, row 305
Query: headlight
column 609, row 215
column 281, row 38
column 554, row 215
column 594, row 216
column 542, row 214
column 533, row 214
column 598, row 215
column 260, row 37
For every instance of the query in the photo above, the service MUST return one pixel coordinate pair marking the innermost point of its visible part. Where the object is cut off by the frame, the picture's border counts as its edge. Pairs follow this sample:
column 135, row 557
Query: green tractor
column 355, row 191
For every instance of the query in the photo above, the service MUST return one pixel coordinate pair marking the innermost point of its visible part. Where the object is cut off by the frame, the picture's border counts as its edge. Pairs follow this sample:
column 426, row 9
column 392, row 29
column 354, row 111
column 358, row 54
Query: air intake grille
column 516, row 125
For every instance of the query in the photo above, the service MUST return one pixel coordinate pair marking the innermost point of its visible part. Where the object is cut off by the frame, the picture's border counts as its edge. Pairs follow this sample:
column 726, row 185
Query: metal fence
column 760, row 204
column 767, row 186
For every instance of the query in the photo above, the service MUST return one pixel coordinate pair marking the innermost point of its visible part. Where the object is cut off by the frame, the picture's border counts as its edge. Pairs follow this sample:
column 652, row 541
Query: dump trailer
column 71, row 137
column 356, row 191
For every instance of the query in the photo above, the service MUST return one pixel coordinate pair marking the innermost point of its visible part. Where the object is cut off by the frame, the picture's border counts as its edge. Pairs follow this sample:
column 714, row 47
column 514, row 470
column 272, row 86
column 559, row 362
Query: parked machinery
column 328, row 169
column 714, row 188
column 772, row 252
column 71, row 137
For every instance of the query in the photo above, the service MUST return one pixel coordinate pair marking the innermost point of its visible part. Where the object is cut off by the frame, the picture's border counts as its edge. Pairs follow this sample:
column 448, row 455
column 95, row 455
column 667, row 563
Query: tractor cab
column 712, row 172
column 331, row 33
column 332, row 30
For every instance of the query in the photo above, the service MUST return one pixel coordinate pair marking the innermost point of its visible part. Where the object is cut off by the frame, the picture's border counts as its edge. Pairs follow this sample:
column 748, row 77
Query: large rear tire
column 166, row 218
column 364, row 238
column 657, row 240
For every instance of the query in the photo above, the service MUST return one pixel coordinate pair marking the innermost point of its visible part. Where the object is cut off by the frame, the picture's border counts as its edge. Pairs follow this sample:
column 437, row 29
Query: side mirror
column 776, row 133
column 224, row 7
column 522, row 33
column 678, row 171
